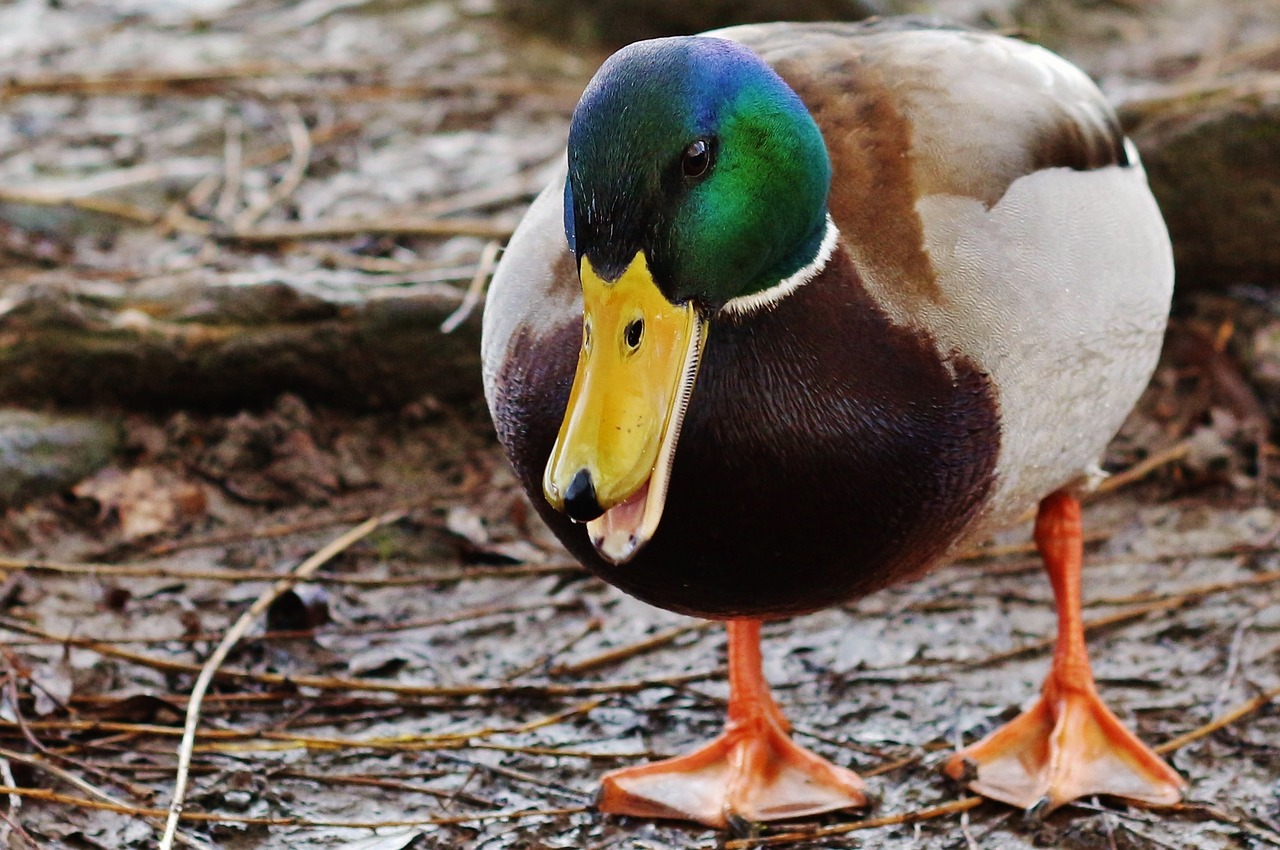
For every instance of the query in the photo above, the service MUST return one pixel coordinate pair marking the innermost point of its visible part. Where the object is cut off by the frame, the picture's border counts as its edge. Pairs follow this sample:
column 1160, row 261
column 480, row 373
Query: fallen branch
column 329, row 630
column 622, row 653
column 207, row 817
column 237, row 576
column 1142, row 469
column 300, row 142
column 964, row 804
column 348, row 684
column 1220, row 722
column 82, row 785
column 217, row 82
column 471, row 299
column 345, row 228
column 233, row 636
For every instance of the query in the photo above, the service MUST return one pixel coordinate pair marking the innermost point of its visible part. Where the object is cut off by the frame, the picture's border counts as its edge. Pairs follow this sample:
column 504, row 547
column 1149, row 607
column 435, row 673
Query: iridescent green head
column 696, row 176
column 695, row 152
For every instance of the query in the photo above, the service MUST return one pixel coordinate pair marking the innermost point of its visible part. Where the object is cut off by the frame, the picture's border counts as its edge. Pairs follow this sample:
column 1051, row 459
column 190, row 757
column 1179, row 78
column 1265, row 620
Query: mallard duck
column 814, row 308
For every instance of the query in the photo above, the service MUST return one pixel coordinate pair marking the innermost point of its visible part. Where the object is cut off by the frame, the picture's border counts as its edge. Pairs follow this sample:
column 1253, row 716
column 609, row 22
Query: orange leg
column 1068, row 745
column 752, row 771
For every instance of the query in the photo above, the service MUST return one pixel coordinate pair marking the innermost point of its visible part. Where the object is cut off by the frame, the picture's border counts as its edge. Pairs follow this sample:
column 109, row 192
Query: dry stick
column 488, row 258
column 622, row 653
column 335, row 228
column 1109, row 484
column 15, row 802
column 388, row 784
column 347, row 684
column 1259, row 580
column 1143, row 468
column 233, row 636
column 233, row 171
column 415, row 743
column 592, row 626
column 517, row 186
column 964, row 804
column 213, row 81
column 147, row 82
column 24, row 728
column 86, row 203
column 396, row 225
column 1000, row 550
column 300, row 141
column 203, row 191
column 1160, row 603
column 1219, row 722
column 237, row 576
column 1267, row 835
column 206, row 817
column 79, row 783
column 238, row 535
column 329, row 631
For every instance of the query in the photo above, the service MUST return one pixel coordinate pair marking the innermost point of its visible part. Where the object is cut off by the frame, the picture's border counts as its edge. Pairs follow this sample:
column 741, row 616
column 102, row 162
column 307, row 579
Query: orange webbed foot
column 753, row 771
column 1068, row 745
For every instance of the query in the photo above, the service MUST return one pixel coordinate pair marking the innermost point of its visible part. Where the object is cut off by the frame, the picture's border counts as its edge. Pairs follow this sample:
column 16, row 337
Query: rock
column 1213, row 158
column 41, row 454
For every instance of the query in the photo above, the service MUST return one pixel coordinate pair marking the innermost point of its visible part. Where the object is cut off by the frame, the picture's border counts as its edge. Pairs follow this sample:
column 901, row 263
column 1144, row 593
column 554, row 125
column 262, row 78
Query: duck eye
column 634, row 333
column 697, row 158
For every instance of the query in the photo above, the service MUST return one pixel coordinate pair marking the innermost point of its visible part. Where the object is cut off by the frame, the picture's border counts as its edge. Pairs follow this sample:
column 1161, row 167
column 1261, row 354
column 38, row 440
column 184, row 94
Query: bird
column 809, row 310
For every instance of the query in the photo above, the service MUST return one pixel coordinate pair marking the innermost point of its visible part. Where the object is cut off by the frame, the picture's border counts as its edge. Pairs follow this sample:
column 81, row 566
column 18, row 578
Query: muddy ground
column 450, row 679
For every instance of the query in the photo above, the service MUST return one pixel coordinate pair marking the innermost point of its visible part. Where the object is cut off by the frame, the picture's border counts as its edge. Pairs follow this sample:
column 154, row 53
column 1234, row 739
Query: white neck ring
column 746, row 304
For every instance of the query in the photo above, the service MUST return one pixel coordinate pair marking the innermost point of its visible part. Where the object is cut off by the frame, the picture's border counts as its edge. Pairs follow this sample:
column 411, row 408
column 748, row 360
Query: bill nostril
column 580, row 498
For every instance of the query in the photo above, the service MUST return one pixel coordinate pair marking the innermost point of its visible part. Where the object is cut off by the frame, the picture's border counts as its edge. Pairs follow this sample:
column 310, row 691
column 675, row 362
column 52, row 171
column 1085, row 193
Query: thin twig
column 410, row 743
column 1219, row 722
column 387, row 784
column 310, row 522
column 1143, row 468
column 463, row 616
column 209, row 817
column 521, row 185
column 342, row 683
column 24, row 726
column 592, row 626
column 471, row 299
column 1091, row 627
column 419, row 577
column 622, row 653
column 15, row 802
column 300, row 142
column 83, row 203
column 233, row 168
column 1269, row 836
column 233, row 636
column 80, row 784
column 215, row 81
column 342, row 228
column 964, row 804
column 203, row 191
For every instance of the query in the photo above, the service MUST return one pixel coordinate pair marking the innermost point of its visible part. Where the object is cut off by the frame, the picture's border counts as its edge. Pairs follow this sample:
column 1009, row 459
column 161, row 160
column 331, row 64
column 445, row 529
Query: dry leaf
column 146, row 501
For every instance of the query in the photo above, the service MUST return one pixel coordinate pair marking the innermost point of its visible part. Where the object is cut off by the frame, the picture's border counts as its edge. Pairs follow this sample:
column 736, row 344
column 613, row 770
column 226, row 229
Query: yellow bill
column 612, row 459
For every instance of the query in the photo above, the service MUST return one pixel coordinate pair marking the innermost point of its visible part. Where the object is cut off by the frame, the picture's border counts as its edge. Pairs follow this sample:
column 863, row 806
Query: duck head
column 697, row 185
